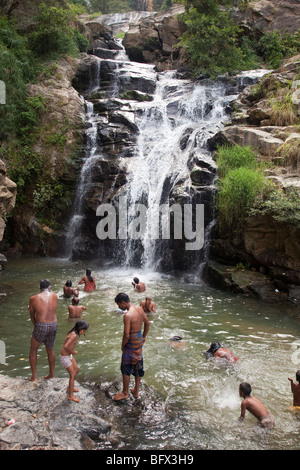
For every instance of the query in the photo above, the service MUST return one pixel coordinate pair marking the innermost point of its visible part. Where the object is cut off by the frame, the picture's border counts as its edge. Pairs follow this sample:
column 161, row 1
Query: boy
column 132, row 344
column 254, row 406
column 75, row 310
column 295, row 388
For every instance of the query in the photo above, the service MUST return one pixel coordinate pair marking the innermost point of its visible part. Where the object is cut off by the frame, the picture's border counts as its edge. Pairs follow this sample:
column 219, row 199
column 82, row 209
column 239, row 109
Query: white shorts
column 66, row 361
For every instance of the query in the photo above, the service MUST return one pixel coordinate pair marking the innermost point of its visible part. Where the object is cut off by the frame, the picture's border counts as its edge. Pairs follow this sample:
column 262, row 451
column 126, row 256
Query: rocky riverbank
column 46, row 420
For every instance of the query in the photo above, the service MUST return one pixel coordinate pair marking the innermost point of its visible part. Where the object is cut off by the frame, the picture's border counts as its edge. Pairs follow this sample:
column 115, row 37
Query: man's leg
column 51, row 360
column 135, row 390
column 34, row 345
column 125, row 391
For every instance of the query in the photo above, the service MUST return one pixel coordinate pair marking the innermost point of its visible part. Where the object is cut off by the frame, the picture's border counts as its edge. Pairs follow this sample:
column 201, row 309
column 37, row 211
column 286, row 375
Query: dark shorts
column 45, row 333
column 134, row 369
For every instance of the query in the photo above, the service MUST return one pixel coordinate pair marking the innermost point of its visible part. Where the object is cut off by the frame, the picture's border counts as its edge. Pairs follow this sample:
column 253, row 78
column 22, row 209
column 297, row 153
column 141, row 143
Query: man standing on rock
column 42, row 308
column 132, row 345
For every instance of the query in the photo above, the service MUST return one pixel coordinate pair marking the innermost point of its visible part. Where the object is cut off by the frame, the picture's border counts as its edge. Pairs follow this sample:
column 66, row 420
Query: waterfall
column 180, row 110
column 149, row 152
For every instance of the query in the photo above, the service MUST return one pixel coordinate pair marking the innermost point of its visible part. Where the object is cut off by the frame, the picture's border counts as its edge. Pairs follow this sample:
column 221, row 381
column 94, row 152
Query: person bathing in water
column 148, row 306
column 75, row 310
column 70, row 291
column 137, row 285
column 132, row 345
column 295, row 389
column 254, row 406
column 216, row 350
column 66, row 355
column 89, row 281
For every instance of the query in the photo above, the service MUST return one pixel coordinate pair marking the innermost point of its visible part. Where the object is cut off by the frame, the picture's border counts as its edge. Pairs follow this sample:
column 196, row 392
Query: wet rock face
column 46, row 420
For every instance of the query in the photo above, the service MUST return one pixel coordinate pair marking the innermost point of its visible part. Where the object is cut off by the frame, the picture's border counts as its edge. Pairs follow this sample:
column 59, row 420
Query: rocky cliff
column 8, row 192
column 270, row 247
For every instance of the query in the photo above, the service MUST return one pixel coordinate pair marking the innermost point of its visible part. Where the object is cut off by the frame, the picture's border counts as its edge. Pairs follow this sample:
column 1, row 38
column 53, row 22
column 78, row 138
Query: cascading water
column 173, row 131
column 159, row 135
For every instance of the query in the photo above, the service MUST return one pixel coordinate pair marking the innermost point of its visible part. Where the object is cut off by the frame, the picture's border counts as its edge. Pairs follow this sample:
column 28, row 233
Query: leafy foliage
column 210, row 41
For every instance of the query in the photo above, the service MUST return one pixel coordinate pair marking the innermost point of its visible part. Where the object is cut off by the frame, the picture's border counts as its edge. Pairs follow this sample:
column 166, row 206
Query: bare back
column 134, row 319
column 254, row 406
column 42, row 307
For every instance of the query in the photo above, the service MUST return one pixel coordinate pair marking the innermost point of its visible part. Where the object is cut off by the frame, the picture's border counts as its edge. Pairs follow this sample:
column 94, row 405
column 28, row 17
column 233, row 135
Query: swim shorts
column 45, row 333
column 66, row 361
column 135, row 369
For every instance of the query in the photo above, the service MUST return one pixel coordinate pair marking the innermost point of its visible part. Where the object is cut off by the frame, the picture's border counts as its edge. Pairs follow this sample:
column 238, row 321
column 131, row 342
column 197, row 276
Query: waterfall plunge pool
column 199, row 400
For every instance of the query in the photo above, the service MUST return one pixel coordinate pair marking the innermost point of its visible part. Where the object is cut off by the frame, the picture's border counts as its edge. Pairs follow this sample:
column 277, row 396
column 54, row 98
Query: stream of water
column 198, row 404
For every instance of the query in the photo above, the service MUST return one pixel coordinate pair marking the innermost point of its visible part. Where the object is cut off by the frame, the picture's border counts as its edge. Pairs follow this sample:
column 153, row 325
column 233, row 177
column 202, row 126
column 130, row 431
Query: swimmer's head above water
column 211, row 351
column 176, row 338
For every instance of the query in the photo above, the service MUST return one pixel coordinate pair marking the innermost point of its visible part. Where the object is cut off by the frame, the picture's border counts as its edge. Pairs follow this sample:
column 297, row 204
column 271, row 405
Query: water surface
column 199, row 403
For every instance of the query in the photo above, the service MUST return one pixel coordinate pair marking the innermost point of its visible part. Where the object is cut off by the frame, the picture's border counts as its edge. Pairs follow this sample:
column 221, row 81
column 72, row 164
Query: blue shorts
column 133, row 369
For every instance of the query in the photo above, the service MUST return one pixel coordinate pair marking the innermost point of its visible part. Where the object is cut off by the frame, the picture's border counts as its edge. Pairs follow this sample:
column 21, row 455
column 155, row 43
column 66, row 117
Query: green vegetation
column 244, row 190
column 215, row 45
column 210, row 41
column 27, row 58
column 275, row 46
column 283, row 206
column 241, row 183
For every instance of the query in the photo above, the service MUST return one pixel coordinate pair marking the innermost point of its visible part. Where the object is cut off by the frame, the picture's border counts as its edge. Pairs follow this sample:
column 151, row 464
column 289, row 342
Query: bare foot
column 74, row 390
column 48, row 377
column 136, row 395
column 73, row 398
column 32, row 379
column 121, row 396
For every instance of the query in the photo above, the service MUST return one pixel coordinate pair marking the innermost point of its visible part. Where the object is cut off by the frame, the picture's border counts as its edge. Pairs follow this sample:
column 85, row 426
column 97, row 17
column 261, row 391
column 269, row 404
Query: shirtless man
column 138, row 286
column 216, row 350
column 42, row 308
column 75, row 310
column 254, row 406
column 132, row 344
column 148, row 306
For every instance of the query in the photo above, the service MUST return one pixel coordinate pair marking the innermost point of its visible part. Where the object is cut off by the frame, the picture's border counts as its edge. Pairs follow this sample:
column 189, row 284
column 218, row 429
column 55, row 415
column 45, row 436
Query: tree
column 210, row 41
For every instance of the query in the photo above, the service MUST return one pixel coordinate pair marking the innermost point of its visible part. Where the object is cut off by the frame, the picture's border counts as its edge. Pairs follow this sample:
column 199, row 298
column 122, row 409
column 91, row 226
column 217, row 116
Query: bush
column 275, row 46
column 284, row 207
column 53, row 34
column 230, row 157
column 237, row 194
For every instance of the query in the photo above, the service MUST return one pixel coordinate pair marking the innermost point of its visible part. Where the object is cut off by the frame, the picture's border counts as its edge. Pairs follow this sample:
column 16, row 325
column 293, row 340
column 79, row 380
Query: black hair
column 88, row 275
column 176, row 338
column 213, row 348
column 298, row 376
column 79, row 325
column 68, row 284
column 136, row 280
column 44, row 284
column 75, row 300
column 245, row 388
column 121, row 297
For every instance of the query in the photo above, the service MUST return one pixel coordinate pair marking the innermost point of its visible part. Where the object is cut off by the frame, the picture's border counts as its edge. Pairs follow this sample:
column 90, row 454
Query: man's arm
column 31, row 311
column 146, row 326
column 243, row 411
column 126, row 333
